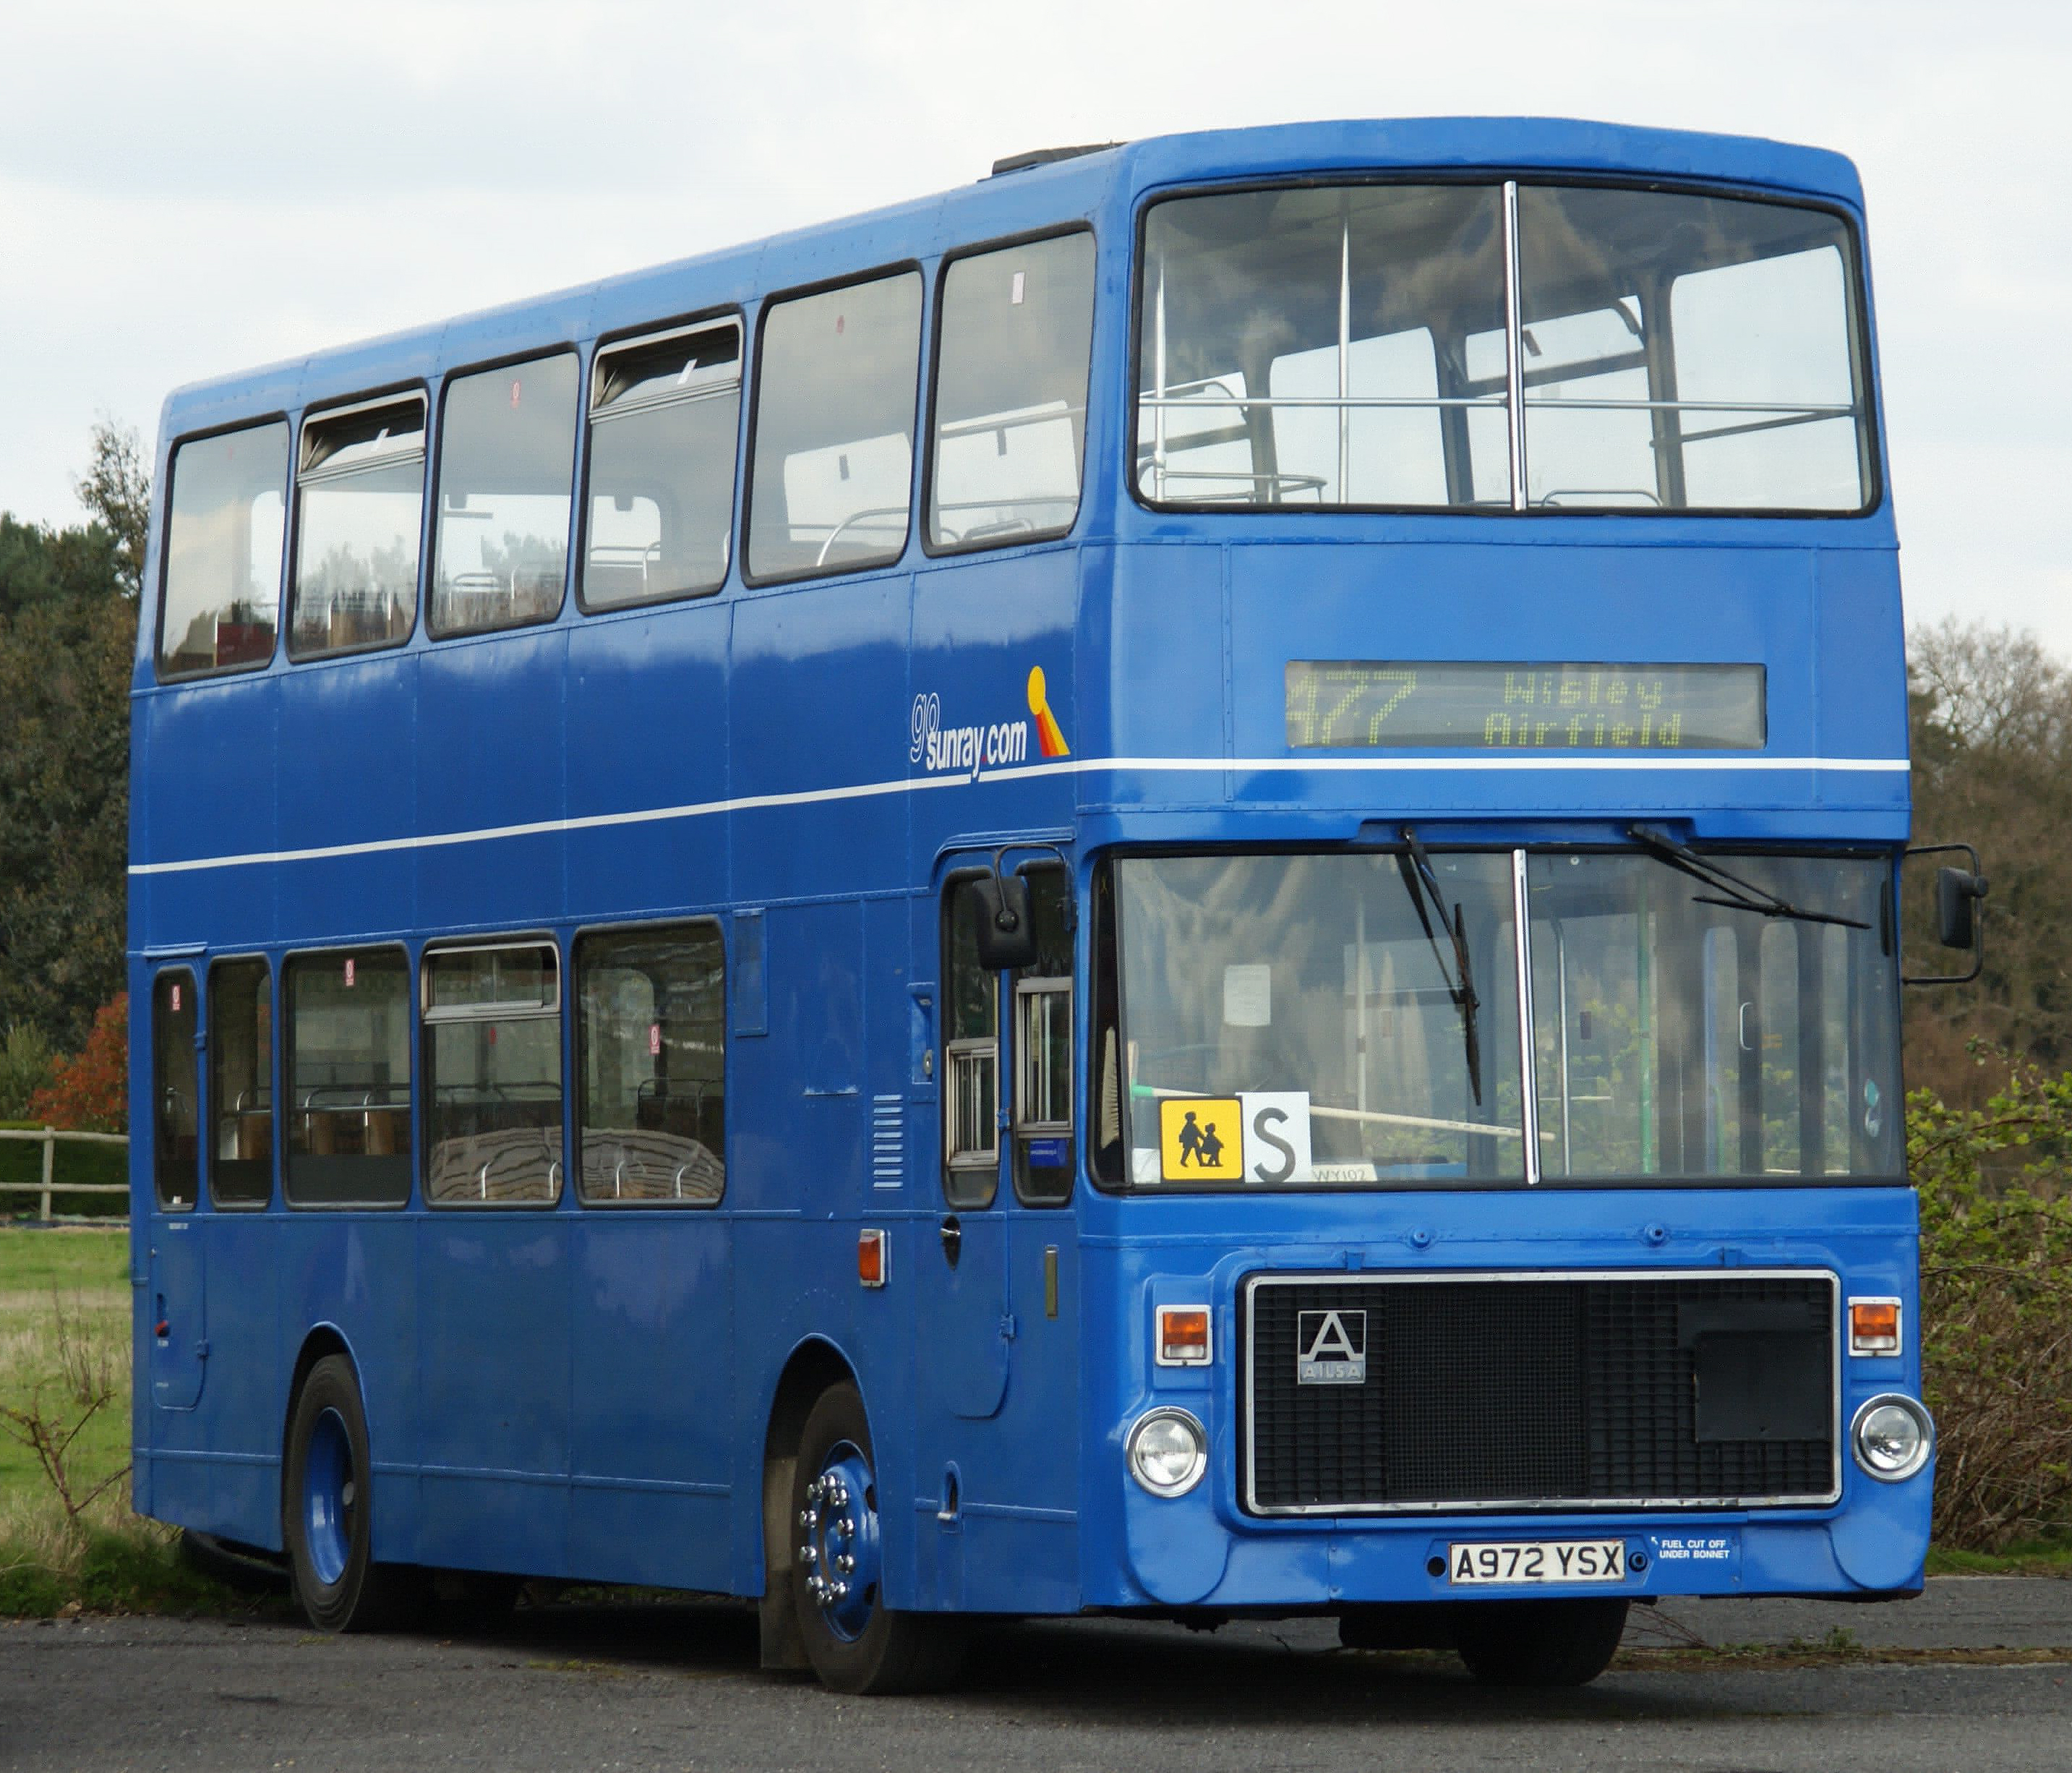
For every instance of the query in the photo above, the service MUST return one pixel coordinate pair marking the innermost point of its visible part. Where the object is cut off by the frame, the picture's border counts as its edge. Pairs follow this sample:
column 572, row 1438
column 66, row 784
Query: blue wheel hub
column 331, row 1497
column 838, row 1541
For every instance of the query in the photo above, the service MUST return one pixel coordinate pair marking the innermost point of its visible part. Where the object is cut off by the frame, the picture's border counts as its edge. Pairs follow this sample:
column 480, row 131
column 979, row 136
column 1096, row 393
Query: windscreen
column 1677, row 1032
column 1352, row 1020
column 1303, row 1020
column 1405, row 346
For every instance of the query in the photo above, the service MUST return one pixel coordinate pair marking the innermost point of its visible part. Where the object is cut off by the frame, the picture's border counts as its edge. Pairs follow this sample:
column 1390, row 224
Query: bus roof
column 1034, row 196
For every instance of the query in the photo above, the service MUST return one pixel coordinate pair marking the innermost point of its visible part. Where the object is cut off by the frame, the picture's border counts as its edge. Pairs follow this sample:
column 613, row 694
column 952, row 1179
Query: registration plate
column 1528, row 1561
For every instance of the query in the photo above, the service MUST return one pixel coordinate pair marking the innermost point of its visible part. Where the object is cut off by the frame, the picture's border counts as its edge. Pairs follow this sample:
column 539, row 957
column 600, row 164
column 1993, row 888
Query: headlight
column 1893, row 1436
column 1168, row 1452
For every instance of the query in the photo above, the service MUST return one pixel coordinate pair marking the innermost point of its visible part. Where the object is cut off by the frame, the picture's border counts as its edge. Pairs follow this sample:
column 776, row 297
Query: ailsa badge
column 1331, row 1348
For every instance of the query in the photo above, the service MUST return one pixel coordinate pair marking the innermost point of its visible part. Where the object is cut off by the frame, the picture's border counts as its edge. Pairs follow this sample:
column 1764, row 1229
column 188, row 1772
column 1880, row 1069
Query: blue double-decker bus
column 1165, row 887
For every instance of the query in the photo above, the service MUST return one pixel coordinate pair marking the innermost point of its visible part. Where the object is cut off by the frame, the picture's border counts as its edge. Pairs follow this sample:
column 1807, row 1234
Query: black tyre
column 327, row 1515
column 856, row 1643
column 1539, row 1644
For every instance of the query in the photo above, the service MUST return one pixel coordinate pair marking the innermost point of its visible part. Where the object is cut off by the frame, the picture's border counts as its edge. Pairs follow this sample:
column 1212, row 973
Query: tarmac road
column 677, row 1686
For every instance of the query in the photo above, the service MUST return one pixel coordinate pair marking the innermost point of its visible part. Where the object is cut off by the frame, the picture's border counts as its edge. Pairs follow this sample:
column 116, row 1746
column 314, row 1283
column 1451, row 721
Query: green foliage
column 117, row 489
column 132, row 1567
column 1996, row 1305
column 1991, row 745
column 25, row 1067
column 65, row 650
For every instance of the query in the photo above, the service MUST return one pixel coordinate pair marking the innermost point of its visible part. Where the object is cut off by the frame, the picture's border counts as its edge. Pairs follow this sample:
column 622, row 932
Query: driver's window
column 971, row 1057
column 1042, row 1055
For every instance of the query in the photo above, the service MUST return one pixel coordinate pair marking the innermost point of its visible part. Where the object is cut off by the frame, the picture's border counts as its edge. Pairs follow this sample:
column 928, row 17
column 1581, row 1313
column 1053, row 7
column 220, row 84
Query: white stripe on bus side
column 1077, row 766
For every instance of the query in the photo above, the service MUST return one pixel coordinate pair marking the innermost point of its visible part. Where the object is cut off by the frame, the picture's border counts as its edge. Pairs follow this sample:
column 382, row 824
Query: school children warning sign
column 1262, row 1138
column 1199, row 1137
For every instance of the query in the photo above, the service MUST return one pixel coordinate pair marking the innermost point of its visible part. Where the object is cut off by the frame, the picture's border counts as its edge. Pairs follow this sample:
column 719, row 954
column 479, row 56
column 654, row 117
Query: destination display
column 1369, row 704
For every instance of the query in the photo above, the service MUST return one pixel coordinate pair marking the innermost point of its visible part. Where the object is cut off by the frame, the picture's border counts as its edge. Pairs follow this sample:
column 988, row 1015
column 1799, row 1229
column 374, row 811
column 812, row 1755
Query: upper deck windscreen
column 1412, row 346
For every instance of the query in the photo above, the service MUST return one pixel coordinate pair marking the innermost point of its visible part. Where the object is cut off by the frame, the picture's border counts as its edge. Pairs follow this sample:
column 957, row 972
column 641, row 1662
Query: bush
column 91, row 1093
column 1996, row 1305
column 25, row 1068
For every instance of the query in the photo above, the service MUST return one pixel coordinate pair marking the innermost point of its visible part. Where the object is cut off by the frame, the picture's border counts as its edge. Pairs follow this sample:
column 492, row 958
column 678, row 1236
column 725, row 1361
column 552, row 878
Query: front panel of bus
column 1491, row 1065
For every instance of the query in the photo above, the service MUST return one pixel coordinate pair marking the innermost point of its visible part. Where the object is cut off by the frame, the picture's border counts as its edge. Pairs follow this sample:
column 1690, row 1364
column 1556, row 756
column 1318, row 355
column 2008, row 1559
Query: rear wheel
column 856, row 1643
column 1539, row 1644
column 328, row 1513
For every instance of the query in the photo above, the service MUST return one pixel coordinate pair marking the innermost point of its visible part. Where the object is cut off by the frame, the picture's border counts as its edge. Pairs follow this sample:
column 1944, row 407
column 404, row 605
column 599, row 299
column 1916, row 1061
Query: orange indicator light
column 870, row 1257
column 1183, row 1335
column 1873, row 1326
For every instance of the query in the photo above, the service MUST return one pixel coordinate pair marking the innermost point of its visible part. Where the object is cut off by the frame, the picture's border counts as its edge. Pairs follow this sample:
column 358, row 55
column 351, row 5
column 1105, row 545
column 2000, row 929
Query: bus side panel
column 209, row 759
column 357, row 1275
column 653, row 1398
column 490, row 755
column 819, row 703
column 647, row 702
column 494, row 1355
column 347, row 776
column 240, row 1401
column 883, row 1193
column 1861, row 677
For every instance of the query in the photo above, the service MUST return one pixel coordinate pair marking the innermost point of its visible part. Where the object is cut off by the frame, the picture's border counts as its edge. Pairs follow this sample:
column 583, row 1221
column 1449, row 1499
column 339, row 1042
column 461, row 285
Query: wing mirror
column 1960, row 914
column 1006, row 923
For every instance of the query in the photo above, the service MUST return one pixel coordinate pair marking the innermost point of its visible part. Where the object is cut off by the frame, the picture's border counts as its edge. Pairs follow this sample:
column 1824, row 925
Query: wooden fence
column 47, row 1137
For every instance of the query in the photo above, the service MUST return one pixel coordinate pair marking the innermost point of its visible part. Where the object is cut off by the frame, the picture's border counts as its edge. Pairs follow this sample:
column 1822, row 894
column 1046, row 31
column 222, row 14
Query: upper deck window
column 1010, row 427
column 834, row 429
column 1405, row 346
column 224, row 541
column 664, row 416
column 359, row 493
column 1687, row 352
column 506, row 466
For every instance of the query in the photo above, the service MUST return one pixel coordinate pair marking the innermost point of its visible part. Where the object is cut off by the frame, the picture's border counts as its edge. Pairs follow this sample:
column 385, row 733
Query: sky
column 187, row 190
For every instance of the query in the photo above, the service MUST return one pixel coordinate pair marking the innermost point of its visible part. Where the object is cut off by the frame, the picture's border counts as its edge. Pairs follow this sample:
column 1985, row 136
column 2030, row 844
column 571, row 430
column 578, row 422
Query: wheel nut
column 845, row 1563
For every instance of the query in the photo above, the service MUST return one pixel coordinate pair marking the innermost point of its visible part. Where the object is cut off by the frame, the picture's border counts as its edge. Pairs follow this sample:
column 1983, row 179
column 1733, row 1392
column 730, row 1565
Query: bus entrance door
column 965, row 1330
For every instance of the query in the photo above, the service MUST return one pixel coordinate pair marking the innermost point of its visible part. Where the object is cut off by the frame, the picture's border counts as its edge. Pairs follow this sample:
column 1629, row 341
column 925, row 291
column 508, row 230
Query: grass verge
column 65, row 1338
column 2027, row 1557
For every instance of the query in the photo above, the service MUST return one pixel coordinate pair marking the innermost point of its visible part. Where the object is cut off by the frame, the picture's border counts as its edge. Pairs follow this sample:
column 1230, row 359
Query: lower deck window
column 348, row 1071
column 493, row 1075
column 651, row 1078
column 174, row 1106
column 241, row 1035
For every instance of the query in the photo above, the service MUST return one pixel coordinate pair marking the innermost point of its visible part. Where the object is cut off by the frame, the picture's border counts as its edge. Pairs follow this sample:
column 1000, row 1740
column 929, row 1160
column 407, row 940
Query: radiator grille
column 1542, row 1392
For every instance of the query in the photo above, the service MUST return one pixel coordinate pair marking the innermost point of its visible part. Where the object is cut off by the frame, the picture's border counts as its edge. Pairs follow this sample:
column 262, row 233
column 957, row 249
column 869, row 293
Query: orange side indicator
column 1183, row 1335
column 1873, row 1326
column 870, row 1257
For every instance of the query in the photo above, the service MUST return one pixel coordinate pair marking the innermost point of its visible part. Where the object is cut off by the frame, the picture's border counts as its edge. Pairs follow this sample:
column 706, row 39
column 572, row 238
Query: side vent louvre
column 888, row 1141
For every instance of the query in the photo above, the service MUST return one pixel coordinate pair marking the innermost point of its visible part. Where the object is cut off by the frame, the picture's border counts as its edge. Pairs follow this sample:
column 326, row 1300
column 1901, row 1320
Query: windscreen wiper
column 1728, row 890
column 1424, row 883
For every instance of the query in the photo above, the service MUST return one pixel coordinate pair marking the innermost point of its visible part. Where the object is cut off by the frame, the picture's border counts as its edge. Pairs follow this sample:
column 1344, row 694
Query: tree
column 90, row 1091
column 1992, row 765
column 117, row 490
column 68, row 635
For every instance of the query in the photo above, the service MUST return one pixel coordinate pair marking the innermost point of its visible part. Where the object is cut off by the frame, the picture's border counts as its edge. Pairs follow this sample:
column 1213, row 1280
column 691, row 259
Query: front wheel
column 327, row 1517
column 1539, row 1644
column 856, row 1643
